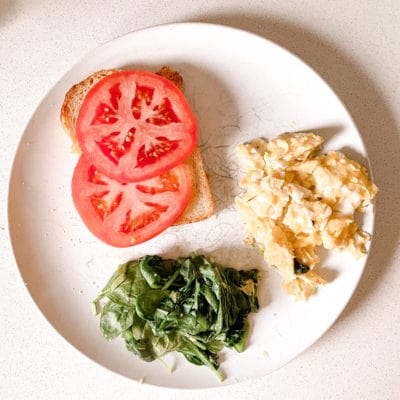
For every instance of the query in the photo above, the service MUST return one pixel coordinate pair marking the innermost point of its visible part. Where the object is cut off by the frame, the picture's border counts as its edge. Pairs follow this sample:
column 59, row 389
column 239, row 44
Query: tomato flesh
column 126, row 214
column 135, row 125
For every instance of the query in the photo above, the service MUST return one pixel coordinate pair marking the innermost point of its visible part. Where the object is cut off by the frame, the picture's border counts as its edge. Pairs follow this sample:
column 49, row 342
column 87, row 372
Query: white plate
column 240, row 86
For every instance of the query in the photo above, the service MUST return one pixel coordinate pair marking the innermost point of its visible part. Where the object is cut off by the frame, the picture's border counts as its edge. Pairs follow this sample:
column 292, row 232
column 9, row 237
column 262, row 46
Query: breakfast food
column 125, row 214
column 192, row 305
column 135, row 125
column 295, row 201
column 102, row 114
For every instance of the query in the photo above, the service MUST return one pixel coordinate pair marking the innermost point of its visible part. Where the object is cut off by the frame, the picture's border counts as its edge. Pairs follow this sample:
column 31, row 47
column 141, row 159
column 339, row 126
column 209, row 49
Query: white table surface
column 355, row 46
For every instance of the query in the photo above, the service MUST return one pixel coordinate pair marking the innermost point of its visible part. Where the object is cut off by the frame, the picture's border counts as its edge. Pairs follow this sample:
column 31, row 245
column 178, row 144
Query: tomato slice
column 126, row 214
column 135, row 125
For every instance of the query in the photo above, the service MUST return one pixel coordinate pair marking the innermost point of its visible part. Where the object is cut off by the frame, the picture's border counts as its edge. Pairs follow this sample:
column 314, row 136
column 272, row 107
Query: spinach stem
column 119, row 279
column 95, row 307
column 165, row 365
column 171, row 280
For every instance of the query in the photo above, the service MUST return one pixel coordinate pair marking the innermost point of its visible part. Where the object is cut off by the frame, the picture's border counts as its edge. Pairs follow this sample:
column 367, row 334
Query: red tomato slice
column 125, row 214
column 135, row 125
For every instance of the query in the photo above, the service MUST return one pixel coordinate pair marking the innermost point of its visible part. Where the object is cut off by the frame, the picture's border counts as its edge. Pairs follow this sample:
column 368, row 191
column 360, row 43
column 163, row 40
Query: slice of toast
column 201, row 204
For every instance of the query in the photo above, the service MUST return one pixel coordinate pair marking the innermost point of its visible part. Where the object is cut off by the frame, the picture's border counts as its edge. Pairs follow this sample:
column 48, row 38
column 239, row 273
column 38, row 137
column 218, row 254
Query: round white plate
column 240, row 86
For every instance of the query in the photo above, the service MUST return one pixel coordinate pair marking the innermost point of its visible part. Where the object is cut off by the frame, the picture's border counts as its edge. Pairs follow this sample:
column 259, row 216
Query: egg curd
column 295, row 201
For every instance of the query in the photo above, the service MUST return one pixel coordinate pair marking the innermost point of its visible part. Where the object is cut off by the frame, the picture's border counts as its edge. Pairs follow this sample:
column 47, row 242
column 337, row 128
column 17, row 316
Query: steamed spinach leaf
column 192, row 305
column 115, row 319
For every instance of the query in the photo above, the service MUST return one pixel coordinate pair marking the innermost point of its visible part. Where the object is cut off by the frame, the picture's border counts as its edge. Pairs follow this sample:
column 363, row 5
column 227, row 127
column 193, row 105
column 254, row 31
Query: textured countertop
column 355, row 47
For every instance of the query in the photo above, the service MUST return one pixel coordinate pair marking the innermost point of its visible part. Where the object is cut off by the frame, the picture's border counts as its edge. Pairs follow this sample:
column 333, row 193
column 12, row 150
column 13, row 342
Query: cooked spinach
column 192, row 305
column 300, row 268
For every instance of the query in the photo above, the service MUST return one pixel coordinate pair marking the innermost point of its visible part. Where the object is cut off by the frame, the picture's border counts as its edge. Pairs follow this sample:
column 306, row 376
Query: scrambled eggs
column 295, row 201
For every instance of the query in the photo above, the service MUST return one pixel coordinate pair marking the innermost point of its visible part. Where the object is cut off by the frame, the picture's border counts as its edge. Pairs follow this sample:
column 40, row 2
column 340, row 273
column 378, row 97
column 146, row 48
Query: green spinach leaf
column 192, row 305
column 115, row 319
column 300, row 268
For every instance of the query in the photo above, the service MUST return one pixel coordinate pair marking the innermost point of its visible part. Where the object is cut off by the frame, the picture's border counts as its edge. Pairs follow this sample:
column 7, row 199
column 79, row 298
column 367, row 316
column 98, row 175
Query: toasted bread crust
column 73, row 101
column 172, row 76
column 201, row 204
